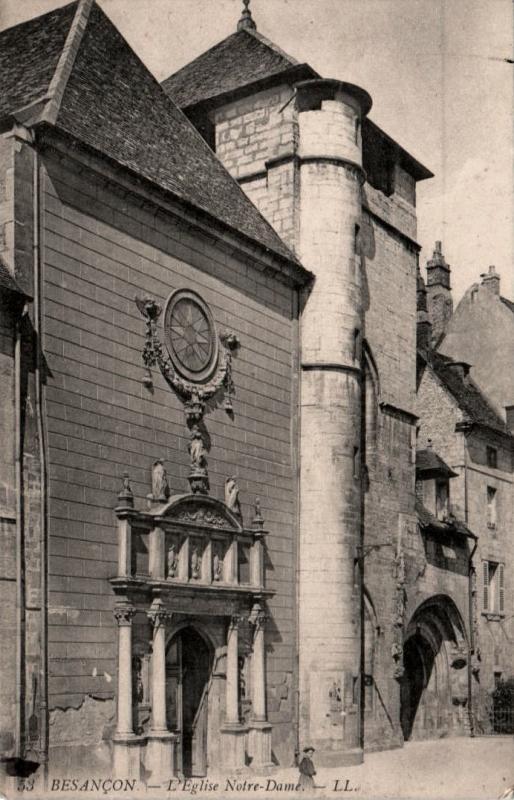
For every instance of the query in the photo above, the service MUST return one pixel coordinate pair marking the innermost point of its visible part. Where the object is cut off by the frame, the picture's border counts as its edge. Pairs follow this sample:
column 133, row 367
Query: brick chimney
column 439, row 293
column 491, row 281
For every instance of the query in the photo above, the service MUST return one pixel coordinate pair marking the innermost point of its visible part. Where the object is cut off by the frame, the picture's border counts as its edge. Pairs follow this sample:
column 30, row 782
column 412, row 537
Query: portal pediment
column 199, row 510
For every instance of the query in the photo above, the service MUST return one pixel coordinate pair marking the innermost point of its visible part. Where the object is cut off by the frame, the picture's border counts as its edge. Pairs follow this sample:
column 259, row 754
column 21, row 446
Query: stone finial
column 246, row 22
column 126, row 495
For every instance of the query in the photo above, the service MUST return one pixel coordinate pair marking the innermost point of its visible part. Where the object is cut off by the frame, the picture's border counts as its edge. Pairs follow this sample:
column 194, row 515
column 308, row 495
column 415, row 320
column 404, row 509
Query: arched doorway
column 433, row 692
column 188, row 669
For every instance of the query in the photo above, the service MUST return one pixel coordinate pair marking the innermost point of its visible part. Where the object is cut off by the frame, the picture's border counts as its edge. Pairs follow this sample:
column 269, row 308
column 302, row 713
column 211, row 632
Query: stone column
column 123, row 614
column 259, row 735
column 126, row 755
column 232, row 688
column 160, row 751
column 158, row 617
column 232, row 732
column 259, row 667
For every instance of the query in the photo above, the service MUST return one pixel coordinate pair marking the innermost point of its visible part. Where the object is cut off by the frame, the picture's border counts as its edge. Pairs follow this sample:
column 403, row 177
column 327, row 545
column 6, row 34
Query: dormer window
column 433, row 482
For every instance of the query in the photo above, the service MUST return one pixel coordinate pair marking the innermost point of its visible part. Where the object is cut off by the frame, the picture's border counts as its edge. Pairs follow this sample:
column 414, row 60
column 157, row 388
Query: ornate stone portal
column 188, row 557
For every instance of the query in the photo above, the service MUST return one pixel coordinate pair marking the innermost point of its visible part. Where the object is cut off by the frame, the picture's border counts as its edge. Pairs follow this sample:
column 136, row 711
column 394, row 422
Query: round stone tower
column 330, row 115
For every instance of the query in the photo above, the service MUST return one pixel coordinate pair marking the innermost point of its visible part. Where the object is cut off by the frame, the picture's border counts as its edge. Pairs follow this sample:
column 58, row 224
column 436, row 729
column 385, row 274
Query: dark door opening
column 188, row 669
column 418, row 660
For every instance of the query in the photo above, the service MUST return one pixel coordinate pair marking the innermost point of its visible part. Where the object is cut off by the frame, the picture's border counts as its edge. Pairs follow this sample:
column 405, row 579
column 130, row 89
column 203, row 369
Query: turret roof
column 241, row 60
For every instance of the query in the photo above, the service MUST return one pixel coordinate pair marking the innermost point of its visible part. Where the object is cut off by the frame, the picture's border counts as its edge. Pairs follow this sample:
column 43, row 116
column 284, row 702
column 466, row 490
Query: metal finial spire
column 246, row 22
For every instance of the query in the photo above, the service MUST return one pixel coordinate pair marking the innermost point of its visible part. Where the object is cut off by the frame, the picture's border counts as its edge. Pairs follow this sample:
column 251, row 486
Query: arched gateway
column 434, row 687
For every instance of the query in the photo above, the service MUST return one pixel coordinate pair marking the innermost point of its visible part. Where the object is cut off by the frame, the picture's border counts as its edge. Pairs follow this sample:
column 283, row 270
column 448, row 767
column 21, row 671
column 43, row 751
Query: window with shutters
column 493, row 598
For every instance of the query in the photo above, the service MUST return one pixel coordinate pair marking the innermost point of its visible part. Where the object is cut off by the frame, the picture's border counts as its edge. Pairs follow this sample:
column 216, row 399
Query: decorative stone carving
column 123, row 614
column 236, row 620
column 258, row 520
column 196, row 563
column 397, row 654
column 194, row 395
column 335, row 698
column 232, row 496
column 399, row 615
column 258, row 617
column 217, row 567
column 202, row 516
column 158, row 614
column 126, row 495
column 198, row 477
column 172, row 560
column 160, row 486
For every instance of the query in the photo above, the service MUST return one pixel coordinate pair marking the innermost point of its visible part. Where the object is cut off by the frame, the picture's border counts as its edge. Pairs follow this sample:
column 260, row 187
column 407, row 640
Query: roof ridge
column 66, row 61
column 469, row 385
column 264, row 40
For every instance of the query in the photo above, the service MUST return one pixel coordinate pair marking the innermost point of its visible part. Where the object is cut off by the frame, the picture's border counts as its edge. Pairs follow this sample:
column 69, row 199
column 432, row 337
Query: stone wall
column 494, row 545
column 467, row 455
column 101, row 249
column 255, row 139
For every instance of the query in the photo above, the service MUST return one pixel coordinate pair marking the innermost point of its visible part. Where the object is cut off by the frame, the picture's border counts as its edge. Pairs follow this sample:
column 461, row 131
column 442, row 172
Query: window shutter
column 485, row 565
column 501, row 588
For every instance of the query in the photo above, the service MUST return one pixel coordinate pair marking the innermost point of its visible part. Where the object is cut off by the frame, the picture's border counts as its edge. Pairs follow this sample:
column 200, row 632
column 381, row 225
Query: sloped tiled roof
column 451, row 525
column 108, row 100
column 241, row 59
column 464, row 390
column 427, row 461
column 508, row 303
column 7, row 281
column 28, row 57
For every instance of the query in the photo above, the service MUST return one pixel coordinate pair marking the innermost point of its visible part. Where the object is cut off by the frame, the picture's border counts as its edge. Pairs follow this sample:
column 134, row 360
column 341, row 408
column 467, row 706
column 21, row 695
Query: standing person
column 307, row 770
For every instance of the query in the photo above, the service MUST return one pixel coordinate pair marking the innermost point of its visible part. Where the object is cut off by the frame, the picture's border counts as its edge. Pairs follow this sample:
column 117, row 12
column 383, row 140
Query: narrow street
column 457, row 769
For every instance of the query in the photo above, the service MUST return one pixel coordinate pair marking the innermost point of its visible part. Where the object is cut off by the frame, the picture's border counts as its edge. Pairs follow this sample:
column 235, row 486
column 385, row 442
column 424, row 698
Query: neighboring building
column 459, row 422
column 274, row 337
column 481, row 332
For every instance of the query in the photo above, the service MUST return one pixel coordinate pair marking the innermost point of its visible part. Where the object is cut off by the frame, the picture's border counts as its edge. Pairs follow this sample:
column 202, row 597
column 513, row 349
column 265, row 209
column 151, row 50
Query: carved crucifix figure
column 232, row 496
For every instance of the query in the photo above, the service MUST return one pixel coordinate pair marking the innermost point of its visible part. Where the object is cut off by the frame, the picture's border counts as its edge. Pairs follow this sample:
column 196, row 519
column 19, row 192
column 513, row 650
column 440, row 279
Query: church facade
column 221, row 540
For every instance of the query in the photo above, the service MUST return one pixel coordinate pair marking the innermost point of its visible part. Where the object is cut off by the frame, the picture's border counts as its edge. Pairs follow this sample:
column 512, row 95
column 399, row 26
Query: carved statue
column 335, row 698
column 195, row 563
column 232, row 496
column 400, row 568
column 160, row 486
column 197, row 450
column 217, row 567
column 172, row 561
